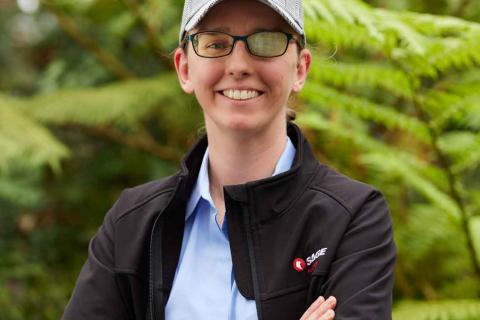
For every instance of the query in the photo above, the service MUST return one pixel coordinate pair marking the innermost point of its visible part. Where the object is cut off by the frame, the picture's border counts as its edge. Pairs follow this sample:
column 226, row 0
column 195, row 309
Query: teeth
column 240, row 94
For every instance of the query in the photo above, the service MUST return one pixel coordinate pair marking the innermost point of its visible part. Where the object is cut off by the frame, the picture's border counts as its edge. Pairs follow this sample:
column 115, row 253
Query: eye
column 216, row 45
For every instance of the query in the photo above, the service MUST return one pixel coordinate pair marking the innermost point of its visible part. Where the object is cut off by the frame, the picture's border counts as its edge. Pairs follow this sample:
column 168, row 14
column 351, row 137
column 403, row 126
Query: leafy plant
column 90, row 105
column 402, row 90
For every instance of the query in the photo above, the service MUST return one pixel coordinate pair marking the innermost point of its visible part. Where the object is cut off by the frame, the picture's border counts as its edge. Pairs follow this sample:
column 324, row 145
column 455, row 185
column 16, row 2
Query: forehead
column 242, row 17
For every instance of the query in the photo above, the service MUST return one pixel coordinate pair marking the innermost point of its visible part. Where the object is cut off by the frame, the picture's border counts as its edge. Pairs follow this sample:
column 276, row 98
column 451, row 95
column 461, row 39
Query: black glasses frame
column 244, row 38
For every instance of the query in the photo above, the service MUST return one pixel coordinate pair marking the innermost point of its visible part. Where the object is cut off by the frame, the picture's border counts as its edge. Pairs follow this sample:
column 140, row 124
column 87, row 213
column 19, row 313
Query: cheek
column 281, row 77
column 204, row 76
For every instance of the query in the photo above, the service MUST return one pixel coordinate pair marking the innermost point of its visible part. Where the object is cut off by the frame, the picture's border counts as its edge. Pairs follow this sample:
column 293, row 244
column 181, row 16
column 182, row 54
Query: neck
column 237, row 159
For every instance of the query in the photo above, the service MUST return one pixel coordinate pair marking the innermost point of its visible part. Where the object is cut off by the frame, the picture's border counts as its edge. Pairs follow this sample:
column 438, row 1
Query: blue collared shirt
column 204, row 285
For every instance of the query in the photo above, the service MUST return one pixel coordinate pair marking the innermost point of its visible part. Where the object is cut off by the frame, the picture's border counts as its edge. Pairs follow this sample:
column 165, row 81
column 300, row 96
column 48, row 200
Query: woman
column 252, row 227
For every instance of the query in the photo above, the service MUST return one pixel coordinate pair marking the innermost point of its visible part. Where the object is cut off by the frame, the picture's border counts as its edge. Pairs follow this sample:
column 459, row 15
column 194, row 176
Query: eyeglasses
column 264, row 44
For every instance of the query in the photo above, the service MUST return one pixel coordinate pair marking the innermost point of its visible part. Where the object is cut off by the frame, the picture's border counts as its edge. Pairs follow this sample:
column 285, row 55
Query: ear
column 303, row 66
column 183, row 70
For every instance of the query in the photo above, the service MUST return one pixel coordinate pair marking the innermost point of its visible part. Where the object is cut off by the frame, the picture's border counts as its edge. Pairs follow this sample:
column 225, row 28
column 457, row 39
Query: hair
column 291, row 115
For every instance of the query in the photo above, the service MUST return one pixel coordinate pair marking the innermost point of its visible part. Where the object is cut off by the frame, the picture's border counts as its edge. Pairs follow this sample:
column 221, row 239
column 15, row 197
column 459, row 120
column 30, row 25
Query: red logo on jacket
column 299, row 264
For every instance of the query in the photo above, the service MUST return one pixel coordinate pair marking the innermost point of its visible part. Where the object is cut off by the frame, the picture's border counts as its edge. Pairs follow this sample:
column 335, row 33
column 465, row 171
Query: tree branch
column 72, row 29
column 461, row 8
column 141, row 140
column 153, row 39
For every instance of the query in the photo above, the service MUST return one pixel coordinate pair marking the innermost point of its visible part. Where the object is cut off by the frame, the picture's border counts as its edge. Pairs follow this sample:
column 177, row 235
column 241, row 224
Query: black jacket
column 307, row 232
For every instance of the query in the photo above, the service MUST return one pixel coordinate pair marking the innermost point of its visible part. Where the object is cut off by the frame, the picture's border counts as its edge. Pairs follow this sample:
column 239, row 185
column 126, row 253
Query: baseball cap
column 290, row 10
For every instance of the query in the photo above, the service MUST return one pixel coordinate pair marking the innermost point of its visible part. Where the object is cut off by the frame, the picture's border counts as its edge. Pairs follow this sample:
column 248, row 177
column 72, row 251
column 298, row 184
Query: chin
column 240, row 125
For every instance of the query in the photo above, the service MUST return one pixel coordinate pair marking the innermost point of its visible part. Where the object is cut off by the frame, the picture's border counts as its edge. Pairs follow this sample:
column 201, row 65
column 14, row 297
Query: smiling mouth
column 241, row 94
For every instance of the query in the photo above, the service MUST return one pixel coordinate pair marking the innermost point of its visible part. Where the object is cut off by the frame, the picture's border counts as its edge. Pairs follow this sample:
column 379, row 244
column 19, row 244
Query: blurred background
column 90, row 105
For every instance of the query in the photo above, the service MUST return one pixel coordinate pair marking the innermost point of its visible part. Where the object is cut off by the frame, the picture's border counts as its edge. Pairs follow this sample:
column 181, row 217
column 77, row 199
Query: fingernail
column 331, row 299
column 321, row 298
column 330, row 313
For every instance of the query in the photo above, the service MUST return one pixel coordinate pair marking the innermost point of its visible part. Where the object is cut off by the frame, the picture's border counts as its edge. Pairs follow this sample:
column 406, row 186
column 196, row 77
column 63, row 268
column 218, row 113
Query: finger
column 329, row 304
column 317, row 303
column 329, row 315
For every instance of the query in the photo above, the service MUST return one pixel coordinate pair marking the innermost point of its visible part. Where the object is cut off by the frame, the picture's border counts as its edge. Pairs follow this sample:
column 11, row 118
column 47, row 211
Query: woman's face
column 213, row 80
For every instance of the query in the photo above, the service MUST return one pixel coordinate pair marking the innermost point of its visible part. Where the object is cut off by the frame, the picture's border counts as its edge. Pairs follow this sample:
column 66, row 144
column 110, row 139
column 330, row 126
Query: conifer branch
column 69, row 25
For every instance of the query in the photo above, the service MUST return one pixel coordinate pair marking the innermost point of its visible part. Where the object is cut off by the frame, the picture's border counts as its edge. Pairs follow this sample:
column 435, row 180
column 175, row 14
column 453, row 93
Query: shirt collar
column 202, row 186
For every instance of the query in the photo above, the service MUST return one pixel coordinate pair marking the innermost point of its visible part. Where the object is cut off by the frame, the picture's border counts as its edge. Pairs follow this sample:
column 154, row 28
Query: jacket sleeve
column 96, row 295
column 361, row 275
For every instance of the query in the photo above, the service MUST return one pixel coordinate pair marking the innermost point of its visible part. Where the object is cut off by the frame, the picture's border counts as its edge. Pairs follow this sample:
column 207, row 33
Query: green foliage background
column 89, row 105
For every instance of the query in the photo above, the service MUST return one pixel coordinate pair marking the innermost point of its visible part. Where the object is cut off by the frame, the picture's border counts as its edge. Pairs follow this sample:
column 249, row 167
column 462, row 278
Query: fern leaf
column 461, row 53
column 366, row 143
column 433, row 310
column 350, row 12
column 393, row 165
column 25, row 141
column 463, row 148
column 341, row 10
column 342, row 35
column 365, row 74
column 424, row 44
column 316, row 9
column 123, row 104
column 416, row 243
column 455, row 105
column 413, row 40
column 437, row 26
column 324, row 97
column 20, row 190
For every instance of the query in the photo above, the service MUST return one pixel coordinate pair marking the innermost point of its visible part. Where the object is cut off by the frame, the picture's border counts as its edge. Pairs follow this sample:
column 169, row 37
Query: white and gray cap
column 290, row 10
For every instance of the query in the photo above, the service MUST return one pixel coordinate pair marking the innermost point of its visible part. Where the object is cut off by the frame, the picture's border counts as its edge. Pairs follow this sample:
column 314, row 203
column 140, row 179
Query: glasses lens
column 212, row 44
column 268, row 44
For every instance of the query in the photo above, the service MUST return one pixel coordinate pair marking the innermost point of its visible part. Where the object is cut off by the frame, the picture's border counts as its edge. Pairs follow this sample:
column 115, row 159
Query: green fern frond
column 122, row 104
column 441, row 106
column 463, row 148
column 435, row 310
column 416, row 243
column 25, row 141
column 461, row 106
column 361, row 139
column 393, row 165
column 378, row 26
column 407, row 36
column 350, row 12
column 460, row 53
column 342, row 35
column 324, row 97
column 423, row 44
column 317, row 9
column 417, row 66
column 438, row 26
column 314, row 120
column 426, row 178
column 341, row 11
column 19, row 190
column 368, row 74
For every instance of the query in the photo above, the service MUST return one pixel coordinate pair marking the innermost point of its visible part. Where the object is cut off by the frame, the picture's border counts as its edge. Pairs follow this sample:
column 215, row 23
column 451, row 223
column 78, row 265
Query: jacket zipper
column 159, row 219
column 253, row 265
column 153, row 313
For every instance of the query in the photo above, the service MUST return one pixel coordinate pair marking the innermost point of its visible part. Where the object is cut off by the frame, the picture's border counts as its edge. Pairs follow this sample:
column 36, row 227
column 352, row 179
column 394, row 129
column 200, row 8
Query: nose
column 239, row 62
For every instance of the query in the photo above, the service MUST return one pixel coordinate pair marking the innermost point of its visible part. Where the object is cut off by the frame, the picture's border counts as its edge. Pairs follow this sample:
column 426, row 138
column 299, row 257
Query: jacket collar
column 272, row 195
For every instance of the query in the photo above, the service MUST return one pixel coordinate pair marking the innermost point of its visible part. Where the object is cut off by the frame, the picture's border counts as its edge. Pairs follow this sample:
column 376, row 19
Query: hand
column 321, row 309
